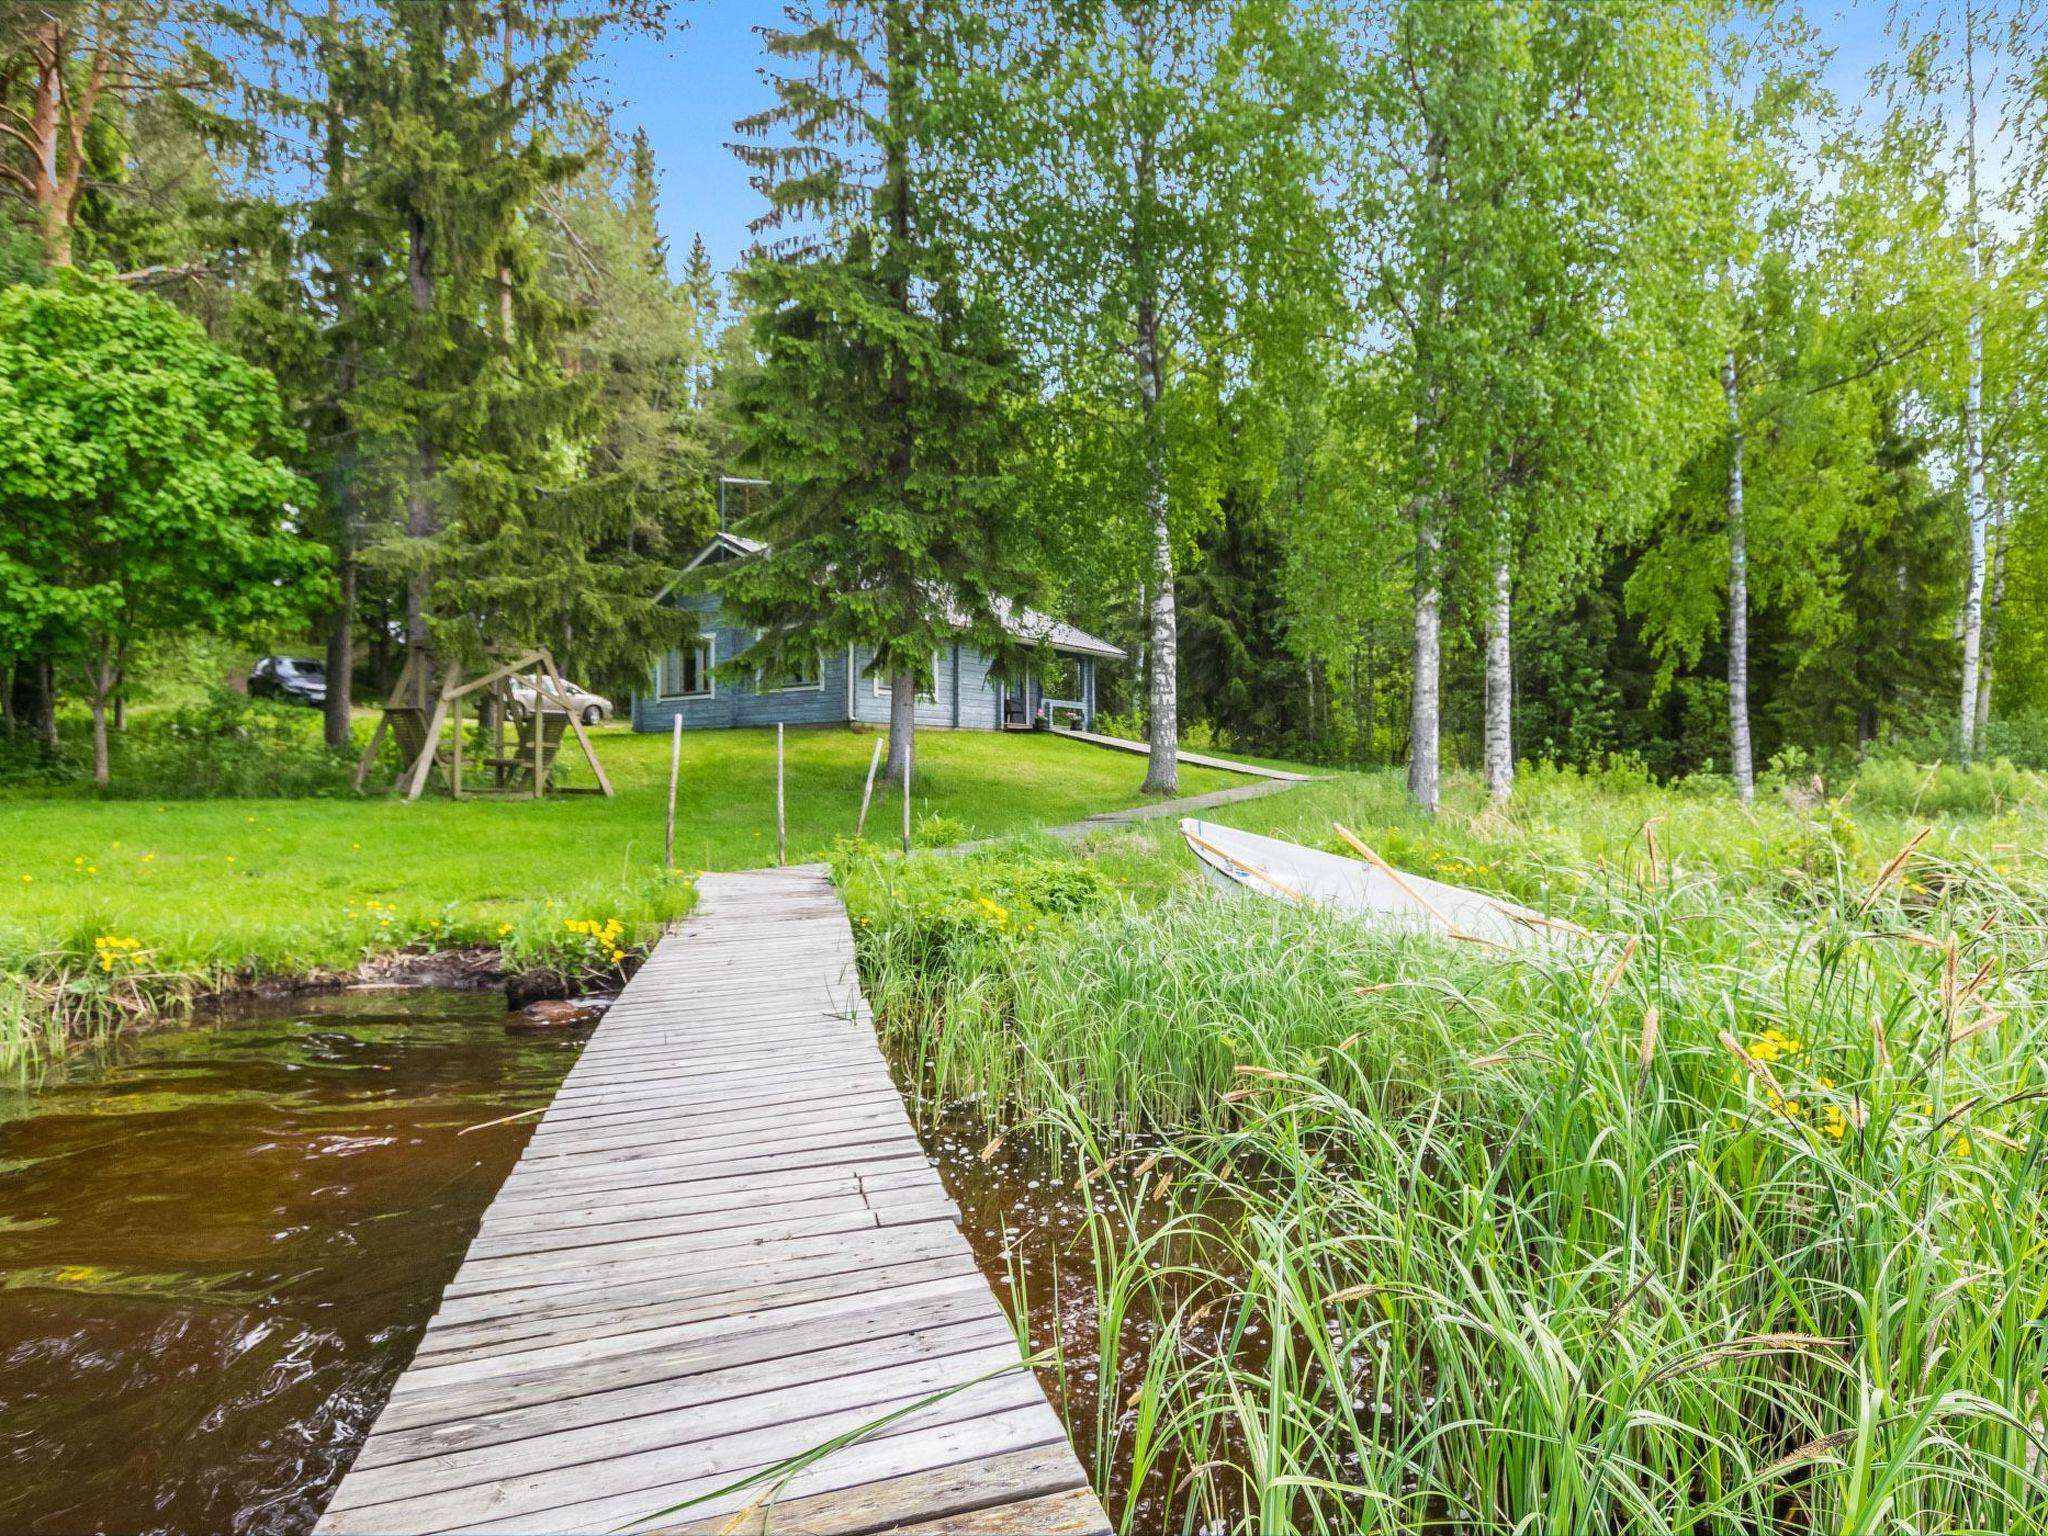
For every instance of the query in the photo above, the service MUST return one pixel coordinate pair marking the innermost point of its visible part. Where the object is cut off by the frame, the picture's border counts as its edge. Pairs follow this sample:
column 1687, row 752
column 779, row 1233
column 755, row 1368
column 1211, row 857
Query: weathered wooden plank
column 841, row 1335
column 668, row 1099
column 885, row 1208
column 952, row 1493
column 679, row 1132
column 833, row 1255
column 1077, row 1512
column 670, row 1172
column 517, row 1290
column 561, row 1448
column 643, row 1482
column 947, row 1432
column 723, row 1248
column 614, row 1316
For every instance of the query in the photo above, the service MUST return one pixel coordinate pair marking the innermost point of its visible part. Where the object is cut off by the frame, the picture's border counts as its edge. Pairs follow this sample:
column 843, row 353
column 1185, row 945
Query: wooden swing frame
column 409, row 695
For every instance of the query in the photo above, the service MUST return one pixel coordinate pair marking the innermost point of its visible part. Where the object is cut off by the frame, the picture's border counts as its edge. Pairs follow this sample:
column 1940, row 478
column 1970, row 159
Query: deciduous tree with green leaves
column 1525, row 181
column 1144, row 181
column 140, row 467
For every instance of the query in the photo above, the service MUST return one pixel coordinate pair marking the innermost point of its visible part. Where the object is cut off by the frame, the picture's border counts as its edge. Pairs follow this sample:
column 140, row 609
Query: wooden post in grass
column 780, row 851
column 868, row 794
column 455, row 756
column 540, row 723
column 675, row 769
column 909, row 757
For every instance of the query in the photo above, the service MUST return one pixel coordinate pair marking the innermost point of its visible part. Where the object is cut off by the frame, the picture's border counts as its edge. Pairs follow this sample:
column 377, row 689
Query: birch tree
column 1762, row 217
column 1957, row 64
column 1974, row 500
column 1148, row 196
column 1525, row 262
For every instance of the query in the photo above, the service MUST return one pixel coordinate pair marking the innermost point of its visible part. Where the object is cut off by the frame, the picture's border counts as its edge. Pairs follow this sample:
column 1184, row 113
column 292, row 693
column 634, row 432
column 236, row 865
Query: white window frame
column 884, row 690
column 708, row 644
column 761, row 677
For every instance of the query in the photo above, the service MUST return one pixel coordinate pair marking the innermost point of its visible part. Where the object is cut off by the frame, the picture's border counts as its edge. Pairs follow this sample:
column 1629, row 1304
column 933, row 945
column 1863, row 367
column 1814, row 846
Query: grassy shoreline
column 1740, row 1223
column 116, row 909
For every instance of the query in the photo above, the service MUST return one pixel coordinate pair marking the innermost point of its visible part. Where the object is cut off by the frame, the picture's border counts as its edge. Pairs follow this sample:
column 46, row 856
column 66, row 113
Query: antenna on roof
column 725, row 481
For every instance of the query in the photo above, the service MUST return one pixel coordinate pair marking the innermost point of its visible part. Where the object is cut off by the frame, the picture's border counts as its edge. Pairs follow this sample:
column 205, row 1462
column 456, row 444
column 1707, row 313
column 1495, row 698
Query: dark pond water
column 218, row 1247
column 1024, row 1213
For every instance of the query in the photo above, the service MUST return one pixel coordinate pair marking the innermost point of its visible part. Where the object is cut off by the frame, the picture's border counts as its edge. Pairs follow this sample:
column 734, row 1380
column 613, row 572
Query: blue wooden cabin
column 832, row 688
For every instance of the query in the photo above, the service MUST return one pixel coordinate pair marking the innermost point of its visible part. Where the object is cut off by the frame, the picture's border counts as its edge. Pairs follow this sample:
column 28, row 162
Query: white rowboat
column 1368, row 887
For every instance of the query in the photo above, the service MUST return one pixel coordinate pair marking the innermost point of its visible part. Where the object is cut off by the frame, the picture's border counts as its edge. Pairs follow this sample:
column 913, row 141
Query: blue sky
column 688, row 88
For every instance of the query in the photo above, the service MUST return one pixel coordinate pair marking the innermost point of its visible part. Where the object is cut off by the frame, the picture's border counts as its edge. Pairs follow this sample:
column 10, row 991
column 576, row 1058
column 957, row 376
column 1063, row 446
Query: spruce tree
column 886, row 405
column 468, row 144
column 644, row 500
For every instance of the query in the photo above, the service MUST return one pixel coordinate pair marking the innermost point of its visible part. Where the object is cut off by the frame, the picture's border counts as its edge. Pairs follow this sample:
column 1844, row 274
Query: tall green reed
column 1745, row 1233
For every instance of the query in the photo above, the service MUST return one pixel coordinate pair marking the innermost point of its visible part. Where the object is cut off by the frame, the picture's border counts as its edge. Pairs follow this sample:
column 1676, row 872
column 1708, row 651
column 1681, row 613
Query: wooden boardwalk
column 1193, row 759
column 723, row 1248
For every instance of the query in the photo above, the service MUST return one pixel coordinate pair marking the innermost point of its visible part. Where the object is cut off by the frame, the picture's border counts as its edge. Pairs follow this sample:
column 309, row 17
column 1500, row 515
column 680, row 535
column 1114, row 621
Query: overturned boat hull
column 1289, row 872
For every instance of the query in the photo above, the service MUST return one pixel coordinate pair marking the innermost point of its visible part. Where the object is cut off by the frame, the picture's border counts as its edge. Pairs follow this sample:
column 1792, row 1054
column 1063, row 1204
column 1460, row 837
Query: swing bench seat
column 515, row 769
column 408, row 726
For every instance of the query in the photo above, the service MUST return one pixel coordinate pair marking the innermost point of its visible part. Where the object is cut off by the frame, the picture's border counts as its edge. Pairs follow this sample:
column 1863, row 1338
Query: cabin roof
column 1035, row 628
column 1025, row 624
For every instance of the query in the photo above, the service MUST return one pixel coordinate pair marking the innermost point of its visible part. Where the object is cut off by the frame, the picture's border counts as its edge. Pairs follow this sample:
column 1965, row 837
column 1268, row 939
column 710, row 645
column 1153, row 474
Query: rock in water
column 556, row 1013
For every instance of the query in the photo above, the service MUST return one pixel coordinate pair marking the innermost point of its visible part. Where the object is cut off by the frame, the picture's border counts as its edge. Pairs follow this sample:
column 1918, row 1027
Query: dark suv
column 290, row 678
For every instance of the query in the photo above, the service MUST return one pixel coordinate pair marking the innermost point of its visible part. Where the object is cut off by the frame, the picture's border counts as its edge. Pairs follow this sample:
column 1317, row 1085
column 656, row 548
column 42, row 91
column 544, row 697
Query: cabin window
column 800, row 673
column 686, row 673
column 925, row 695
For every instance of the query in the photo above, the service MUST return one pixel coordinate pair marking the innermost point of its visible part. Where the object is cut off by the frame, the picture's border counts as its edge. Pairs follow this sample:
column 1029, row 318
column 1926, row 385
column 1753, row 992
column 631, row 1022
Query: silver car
column 590, row 707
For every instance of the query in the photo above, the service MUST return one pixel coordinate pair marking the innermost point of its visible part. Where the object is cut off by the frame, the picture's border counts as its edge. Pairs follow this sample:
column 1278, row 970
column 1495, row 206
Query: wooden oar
column 1251, row 869
column 1523, row 915
column 1408, row 889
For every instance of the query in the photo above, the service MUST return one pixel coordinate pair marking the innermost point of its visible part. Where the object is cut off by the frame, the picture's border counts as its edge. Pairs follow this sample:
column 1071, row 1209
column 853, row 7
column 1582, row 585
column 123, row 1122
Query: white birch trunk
column 1741, row 759
column 1162, row 769
column 1500, row 680
column 2000, row 538
column 1423, row 772
column 1973, row 417
column 1162, row 773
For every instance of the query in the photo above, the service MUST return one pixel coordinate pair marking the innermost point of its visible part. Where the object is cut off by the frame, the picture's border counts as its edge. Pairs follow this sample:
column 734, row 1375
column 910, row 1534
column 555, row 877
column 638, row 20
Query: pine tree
column 701, row 288
column 885, row 409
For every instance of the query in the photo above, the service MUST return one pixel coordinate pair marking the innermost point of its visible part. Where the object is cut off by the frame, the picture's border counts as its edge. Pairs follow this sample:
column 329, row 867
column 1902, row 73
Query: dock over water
column 723, row 1249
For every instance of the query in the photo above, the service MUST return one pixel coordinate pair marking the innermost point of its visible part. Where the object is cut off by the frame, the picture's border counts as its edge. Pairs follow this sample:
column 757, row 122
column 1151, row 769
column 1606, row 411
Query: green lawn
column 287, row 886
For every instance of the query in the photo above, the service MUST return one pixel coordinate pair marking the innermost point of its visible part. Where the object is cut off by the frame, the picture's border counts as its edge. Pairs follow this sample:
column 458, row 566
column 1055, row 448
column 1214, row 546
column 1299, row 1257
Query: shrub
column 937, row 912
column 2024, row 739
column 1945, row 789
column 936, row 831
column 227, row 746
